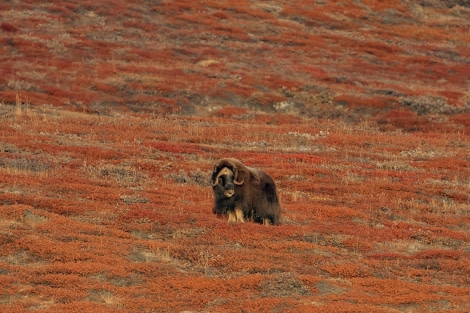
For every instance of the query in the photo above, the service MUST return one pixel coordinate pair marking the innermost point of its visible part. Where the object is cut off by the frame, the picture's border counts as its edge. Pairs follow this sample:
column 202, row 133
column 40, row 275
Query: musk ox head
column 224, row 181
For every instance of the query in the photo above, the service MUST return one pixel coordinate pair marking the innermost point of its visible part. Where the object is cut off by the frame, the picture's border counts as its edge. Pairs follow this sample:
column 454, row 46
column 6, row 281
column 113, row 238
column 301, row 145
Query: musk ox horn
column 215, row 180
column 224, row 171
column 236, row 180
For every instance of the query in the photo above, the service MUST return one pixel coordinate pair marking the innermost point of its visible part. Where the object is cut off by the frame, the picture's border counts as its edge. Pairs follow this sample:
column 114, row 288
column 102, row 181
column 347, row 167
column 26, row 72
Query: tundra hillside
column 114, row 214
column 113, row 115
column 391, row 61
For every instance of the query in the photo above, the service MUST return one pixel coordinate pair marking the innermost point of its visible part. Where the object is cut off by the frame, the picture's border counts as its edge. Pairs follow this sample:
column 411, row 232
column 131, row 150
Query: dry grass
column 113, row 114
column 319, row 61
column 85, row 225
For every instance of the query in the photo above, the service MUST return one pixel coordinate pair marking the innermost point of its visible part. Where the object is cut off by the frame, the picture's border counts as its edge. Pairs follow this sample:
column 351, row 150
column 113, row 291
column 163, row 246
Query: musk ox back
column 243, row 192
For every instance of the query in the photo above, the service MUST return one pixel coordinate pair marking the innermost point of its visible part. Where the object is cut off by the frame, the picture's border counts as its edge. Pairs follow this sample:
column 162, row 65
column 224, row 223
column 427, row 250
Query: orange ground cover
column 275, row 55
column 113, row 113
column 119, row 219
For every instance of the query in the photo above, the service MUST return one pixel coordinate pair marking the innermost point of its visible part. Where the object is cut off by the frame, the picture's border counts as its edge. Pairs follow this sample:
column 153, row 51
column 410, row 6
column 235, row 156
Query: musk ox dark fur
column 244, row 193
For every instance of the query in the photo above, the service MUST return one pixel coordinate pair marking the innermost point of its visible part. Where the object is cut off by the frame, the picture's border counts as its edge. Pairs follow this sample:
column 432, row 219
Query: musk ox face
column 224, row 182
column 242, row 192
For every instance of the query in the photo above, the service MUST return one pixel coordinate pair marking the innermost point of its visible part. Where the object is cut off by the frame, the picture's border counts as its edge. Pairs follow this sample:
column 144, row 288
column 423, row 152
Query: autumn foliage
column 304, row 57
column 113, row 114
column 114, row 213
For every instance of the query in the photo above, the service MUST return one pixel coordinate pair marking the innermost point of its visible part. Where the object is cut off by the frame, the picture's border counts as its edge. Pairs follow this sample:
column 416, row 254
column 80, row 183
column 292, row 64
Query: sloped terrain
column 390, row 60
column 113, row 213
column 113, row 114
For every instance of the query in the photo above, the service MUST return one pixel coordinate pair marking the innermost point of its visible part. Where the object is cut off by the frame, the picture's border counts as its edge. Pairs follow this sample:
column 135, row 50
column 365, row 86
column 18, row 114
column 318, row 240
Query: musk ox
column 243, row 192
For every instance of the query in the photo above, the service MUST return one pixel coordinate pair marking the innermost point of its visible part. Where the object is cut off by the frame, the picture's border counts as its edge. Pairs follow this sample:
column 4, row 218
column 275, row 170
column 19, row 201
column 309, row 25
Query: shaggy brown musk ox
column 243, row 192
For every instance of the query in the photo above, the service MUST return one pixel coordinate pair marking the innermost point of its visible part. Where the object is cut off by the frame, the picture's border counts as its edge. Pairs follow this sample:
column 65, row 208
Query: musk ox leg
column 239, row 215
column 236, row 216
column 266, row 221
column 232, row 218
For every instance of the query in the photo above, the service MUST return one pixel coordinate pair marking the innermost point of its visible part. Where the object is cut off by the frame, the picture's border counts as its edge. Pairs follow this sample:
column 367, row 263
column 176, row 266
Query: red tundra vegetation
column 113, row 114
column 114, row 213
